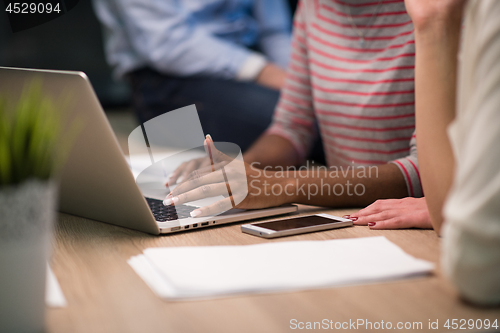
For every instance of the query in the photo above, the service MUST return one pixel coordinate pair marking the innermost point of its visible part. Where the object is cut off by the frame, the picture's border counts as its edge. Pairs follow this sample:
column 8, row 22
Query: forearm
column 435, row 84
column 272, row 150
column 334, row 186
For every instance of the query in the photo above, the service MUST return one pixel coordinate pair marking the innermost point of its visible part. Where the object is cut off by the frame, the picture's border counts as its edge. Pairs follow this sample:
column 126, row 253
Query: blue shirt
column 193, row 37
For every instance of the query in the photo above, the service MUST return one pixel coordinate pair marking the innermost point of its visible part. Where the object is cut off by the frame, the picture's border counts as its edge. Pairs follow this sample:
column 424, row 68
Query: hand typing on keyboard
column 227, row 176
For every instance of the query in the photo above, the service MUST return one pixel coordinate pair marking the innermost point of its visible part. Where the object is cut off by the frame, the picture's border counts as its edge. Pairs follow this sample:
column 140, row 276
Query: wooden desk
column 104, row 294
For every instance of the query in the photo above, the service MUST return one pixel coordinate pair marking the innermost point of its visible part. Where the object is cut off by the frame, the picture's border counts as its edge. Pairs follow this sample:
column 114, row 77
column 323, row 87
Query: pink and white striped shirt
column 361, row 96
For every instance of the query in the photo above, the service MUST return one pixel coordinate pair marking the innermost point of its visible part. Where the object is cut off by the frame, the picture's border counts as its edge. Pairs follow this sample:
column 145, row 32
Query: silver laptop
column 97, row 182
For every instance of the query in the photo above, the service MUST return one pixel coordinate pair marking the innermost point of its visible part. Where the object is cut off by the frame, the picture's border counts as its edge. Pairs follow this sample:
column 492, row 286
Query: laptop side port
column 204, row 223
column 175, row 229
column 195, row 225
column 186, row 227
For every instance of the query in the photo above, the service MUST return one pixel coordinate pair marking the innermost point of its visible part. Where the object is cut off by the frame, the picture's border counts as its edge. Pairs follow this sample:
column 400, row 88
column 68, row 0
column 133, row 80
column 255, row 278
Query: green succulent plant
column 31, row 131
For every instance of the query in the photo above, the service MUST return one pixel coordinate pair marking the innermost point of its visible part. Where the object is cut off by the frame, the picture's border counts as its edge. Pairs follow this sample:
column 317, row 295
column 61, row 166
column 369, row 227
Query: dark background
column 71, row 42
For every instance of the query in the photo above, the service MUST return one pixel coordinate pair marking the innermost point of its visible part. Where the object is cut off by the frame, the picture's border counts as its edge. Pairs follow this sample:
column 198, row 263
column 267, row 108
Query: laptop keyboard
column 168, row 213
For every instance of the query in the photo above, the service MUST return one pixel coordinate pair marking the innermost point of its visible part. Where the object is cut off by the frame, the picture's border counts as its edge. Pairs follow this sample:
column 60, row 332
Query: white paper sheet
column 54, row 296
column 217, row 271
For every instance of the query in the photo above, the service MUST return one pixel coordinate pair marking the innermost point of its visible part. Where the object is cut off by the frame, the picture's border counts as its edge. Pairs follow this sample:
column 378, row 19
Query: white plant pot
column 27, row 214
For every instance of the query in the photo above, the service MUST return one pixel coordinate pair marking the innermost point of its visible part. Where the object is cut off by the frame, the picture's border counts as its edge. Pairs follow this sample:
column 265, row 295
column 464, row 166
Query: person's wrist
column 437, row 35
column 289, row 186
column 282, row 189
column 437, row 28
column 264, row 74
column 438, row 21
column 271, row 76
column 252, row 67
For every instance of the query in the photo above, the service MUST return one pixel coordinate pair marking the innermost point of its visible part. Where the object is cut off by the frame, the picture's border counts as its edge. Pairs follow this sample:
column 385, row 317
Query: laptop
column 96, row 181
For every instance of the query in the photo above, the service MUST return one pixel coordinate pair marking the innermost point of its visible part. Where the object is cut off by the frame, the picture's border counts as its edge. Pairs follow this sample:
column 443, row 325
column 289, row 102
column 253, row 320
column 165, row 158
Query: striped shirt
column 362, row 97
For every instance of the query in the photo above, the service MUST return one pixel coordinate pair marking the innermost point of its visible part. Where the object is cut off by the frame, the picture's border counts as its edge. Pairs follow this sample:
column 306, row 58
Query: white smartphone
column 295, row 225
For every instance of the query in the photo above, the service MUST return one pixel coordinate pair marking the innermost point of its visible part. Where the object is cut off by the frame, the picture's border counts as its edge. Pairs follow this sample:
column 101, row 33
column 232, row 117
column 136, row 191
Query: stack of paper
column 217, row 271
column 54, row 296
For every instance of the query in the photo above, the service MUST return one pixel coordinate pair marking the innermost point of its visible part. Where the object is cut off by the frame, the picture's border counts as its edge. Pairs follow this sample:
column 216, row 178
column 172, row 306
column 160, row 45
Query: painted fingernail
column 195, row 213
column 353, row 219
column 371, row 224
column 208, row 136
column 346, row 216
column 170, row 200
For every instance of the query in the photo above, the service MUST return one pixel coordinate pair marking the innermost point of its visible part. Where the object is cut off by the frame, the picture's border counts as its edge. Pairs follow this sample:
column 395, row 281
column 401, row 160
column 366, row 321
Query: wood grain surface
column 104, row 294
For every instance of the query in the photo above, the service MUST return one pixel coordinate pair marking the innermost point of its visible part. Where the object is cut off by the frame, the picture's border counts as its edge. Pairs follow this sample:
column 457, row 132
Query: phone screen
column 297, row 223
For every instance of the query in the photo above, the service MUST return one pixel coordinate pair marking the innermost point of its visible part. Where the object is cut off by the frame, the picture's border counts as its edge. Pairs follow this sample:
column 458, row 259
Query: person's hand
column 185, row 169
column 434, row 13
column 272, row 76
column 227, row 177
column 394, row 214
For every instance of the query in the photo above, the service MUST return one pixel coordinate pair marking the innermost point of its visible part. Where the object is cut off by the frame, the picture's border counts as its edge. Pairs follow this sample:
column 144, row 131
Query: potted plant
column 30, row 156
